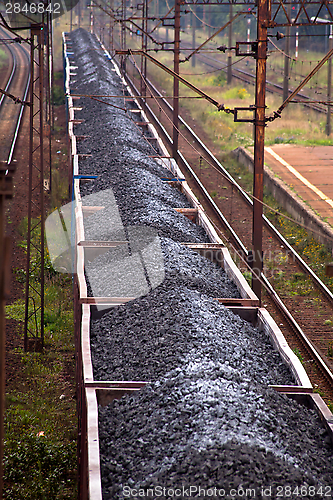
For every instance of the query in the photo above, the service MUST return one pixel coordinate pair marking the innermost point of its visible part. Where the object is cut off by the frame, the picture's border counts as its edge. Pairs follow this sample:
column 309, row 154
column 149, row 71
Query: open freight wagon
column 93, row 393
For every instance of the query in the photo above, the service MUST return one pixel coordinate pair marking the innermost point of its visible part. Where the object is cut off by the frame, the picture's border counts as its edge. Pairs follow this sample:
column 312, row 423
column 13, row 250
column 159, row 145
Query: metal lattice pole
column 176, row 81
column 34, row 289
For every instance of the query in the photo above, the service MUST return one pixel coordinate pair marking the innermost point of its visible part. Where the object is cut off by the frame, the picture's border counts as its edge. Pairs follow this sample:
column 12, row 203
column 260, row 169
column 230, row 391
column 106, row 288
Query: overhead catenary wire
column 135, row 96
column 280, row 50
column 216, row 70
column 201, row 20
column 124, row 21
column 262, row 279
column 16, row 100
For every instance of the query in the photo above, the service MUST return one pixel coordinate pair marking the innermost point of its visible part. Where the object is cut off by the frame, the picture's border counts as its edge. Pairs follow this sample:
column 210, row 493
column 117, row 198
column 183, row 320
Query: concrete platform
column 300, row 180
column 308, row 171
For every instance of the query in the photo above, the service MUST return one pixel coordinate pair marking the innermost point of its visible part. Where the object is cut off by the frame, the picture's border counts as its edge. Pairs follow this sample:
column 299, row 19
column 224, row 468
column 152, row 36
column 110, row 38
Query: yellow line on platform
column 300, row 177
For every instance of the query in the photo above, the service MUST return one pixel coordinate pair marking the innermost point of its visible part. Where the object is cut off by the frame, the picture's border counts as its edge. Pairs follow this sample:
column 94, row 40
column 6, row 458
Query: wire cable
column 221, row 173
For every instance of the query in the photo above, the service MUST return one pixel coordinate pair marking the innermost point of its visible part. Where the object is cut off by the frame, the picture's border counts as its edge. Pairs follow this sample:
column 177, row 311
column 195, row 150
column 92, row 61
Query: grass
column 298, row 354
column 297, row 126
column 3, row 58
column 330, row 350
column 315, row 254
column 40, row 417
column 306, row 245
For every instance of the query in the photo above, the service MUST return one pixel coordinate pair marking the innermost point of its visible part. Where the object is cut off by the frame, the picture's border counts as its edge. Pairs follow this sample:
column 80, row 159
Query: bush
column 58, row 95
column 36, row 469
column 220, row 79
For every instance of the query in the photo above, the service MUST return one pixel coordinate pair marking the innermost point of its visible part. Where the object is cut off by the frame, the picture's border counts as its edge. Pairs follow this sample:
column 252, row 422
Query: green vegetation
column 59, row 187
column 314, row 253
column 298, row 125
column 40, row 420
column 40, row 449
column 330, row 350
column 248, row 276
column 298, row 354
column 3, row 58
column 58, row 95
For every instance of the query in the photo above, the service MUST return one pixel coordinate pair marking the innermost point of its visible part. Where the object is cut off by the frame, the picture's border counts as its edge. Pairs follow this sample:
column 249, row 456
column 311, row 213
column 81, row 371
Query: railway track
column 17, row 84
column 307, row 339
column 250, row 79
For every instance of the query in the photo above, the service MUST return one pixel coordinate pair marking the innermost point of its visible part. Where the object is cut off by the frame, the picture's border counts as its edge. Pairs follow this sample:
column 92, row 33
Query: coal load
column 120, row 156
column 148, row 337
column 201, row 428
column 207, row 417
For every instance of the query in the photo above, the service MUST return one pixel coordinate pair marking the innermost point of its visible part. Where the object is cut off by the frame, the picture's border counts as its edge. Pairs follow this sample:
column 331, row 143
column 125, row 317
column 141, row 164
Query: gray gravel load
column 207, row 418
column 174, row 326
column 154, row 261
column 203, row 427
column 120, row 157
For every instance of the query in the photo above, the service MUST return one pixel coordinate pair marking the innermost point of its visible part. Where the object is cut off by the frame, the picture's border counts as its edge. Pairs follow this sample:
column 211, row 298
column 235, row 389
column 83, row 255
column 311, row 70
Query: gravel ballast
column 207, row 417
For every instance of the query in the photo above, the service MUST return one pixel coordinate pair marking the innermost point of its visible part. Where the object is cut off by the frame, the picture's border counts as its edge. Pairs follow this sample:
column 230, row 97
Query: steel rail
column 18, row 124
column 25, row 94
column 11, row 74
column 240, row 247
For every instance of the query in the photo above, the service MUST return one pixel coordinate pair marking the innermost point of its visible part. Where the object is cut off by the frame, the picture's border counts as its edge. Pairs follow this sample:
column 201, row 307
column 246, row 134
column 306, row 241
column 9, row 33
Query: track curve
column 17, row 85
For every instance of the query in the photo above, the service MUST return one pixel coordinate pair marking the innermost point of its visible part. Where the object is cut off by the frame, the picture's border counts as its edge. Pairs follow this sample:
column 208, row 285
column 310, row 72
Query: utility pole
column 286, row 59
column 123, row 35
column 144, row 40
column 34, row 289
column 229, row 74
column 91, row 17
column 264, row 16
column 111, row 33
column 176, row 81
column 194, row 25
column 329, row 85
column 6, row 192
column 328, row 128
column 204, row 26
column 49, row 97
